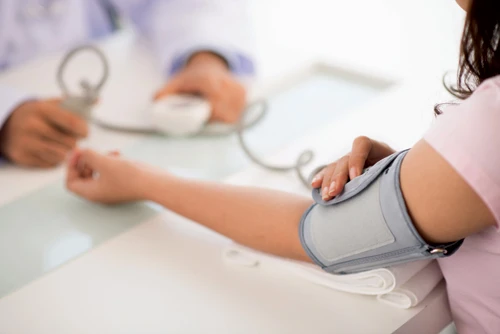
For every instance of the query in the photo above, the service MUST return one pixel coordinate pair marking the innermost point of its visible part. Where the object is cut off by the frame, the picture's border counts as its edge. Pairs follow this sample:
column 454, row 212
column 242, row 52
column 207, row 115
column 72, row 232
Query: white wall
column 398, row 37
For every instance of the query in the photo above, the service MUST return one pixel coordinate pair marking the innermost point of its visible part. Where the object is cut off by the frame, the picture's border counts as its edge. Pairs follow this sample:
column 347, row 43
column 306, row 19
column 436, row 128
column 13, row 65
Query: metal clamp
column 82, row 103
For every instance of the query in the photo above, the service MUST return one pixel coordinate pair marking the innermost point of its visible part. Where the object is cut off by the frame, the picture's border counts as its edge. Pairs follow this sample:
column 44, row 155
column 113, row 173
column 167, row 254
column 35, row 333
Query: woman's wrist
column 154, row 184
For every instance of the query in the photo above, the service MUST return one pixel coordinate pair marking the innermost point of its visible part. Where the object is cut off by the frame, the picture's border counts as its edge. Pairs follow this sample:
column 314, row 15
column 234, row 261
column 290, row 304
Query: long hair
column 479, row 48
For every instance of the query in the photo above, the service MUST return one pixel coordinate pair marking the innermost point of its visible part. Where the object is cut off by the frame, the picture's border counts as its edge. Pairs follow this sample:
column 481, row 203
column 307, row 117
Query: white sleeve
column 10, row 98
column 178, row 28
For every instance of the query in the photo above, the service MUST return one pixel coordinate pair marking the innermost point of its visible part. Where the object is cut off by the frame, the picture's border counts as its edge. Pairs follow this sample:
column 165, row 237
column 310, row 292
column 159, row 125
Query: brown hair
column 479, row 48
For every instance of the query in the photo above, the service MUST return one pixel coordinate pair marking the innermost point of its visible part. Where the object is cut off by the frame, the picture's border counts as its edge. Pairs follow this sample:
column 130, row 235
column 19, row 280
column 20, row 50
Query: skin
column 464, row 4
column 39, row 133
column 208, row 75
column 426, row 178
column 272, row 228
column 365, row 153
column 268, row 220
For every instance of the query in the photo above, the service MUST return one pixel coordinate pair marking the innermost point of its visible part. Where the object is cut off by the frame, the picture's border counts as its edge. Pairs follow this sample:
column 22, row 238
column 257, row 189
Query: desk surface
column 159, row 274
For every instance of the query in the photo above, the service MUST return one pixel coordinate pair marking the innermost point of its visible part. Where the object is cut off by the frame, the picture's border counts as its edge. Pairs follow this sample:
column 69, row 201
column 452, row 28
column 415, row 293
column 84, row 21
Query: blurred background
column 401, row 39
column 406, row 41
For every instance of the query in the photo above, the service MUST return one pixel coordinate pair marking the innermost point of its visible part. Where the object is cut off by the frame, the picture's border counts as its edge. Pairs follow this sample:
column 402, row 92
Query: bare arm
column 442, row 205
column 259, row 218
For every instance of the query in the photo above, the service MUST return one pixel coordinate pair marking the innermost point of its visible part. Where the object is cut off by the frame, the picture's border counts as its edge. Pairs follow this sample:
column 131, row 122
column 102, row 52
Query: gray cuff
column 367, row 226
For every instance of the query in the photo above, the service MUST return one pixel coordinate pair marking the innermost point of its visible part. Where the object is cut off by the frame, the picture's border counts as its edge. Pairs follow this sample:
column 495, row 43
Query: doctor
column 201, row 44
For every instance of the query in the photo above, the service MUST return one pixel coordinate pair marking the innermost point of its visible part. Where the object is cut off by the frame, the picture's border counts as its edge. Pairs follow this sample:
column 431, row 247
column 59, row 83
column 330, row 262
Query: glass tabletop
column 47, row 228
column 291, row 114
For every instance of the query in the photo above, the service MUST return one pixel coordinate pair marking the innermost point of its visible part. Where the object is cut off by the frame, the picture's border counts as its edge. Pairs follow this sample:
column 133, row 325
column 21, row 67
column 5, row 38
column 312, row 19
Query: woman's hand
column 108, row 178
column 365, row 153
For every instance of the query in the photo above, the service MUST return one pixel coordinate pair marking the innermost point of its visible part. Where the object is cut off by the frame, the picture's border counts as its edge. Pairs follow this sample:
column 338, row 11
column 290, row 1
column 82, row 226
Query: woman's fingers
column 317, row 181
column 73, row 171
column 327, row 176
column 339, row 178
column 335, row 177
column 87, row 172
column 81, row 168
column 361, row 148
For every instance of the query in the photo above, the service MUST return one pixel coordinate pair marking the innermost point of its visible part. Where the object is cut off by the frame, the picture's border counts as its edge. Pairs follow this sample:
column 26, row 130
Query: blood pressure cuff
column 366, row 226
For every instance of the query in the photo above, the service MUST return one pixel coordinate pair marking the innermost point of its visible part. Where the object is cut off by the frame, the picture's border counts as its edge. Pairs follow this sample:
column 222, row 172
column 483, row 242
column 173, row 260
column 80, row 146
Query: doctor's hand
column 40, row 134
column 208, row 75
column 365, row 153
column 108, row 179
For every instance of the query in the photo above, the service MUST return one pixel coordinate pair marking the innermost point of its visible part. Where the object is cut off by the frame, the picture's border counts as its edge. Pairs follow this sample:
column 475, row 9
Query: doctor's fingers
column 187, row 82
column 172, row 87
column 221, row 99
column 238, row 97
column 25, row 157
column 228, row 103
column 51, row 153
column 64, row 120
column 32, row 152
column 227, row 106
column 46, row 130
column 31, row 160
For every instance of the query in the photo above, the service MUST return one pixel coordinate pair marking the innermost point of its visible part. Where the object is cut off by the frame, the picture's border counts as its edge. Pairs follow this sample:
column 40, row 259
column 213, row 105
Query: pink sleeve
column 468, row 137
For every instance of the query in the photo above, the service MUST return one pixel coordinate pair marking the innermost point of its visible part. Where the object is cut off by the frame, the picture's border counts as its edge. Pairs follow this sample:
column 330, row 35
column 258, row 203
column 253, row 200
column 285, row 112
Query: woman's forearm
column 262, row 219
column 268, row 220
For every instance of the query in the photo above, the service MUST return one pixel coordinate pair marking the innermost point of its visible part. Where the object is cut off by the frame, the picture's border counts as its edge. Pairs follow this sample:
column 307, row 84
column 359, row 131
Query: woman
column 449, row 181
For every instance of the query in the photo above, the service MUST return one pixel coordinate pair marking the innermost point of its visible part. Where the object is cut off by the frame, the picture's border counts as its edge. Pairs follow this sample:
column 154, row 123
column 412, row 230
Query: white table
column 166, row 275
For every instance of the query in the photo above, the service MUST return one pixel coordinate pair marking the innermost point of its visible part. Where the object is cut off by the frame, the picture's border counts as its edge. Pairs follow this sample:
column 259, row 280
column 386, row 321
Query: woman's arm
column 442, row 205
column 263, row 219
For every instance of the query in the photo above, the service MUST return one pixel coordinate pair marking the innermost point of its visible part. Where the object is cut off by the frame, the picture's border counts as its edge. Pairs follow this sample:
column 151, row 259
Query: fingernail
column 325, row 193
column 332, row 188
column 314, row 179
column 352, row 173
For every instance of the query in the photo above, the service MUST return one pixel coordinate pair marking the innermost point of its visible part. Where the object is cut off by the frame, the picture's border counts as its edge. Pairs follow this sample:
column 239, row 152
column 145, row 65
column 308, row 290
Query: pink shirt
column 468, row 137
